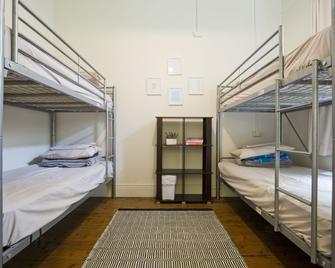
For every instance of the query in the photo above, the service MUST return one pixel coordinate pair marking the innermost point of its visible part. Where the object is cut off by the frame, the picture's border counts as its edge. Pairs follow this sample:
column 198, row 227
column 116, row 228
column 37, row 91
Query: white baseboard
column 135, row 190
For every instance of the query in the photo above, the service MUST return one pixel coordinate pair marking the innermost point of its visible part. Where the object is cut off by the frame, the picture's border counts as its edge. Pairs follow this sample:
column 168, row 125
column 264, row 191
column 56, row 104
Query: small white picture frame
column 175, row 96
column 174, row 66
column 153, row 86
column 195, row 86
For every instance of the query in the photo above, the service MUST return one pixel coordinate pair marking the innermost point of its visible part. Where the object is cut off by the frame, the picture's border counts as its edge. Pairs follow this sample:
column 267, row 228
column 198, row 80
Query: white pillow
column 245, row 153
column 71, row 154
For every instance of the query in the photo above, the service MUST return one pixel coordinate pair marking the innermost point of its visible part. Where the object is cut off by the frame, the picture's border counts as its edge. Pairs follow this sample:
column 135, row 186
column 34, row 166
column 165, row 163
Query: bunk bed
column 42, row 72
column 295, row 200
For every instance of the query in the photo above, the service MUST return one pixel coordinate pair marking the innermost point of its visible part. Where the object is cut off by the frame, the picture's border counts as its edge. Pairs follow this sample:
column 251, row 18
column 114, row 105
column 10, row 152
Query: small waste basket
column 168, row 187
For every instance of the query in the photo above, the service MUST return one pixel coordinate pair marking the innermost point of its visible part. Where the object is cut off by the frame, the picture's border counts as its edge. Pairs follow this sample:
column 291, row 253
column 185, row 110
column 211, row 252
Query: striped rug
column 164, row 239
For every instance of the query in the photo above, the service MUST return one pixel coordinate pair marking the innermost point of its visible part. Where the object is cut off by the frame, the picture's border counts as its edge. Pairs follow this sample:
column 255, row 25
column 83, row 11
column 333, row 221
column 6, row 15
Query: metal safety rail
column 309, row 88
column 28, row 89
column 233, row 85
column 19, row 86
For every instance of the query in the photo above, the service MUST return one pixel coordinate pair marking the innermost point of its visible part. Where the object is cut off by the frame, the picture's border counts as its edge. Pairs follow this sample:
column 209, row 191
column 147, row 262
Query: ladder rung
column 303, row 200
column 281, row 149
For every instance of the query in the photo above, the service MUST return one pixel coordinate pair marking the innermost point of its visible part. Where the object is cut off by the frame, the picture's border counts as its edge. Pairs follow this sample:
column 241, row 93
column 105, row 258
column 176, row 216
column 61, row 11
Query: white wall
column 302, row 18
column 26, row 135
column 26, row 132
column 130, row 40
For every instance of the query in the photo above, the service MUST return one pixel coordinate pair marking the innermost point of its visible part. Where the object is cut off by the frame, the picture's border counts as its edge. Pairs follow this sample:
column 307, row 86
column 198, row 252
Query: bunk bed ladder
column 313, row 154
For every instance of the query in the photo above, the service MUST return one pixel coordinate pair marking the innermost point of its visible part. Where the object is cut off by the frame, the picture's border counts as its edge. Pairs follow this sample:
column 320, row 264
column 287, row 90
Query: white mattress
column 257, row 185
column 45, row 72
column 34, row 196
column 316, row 47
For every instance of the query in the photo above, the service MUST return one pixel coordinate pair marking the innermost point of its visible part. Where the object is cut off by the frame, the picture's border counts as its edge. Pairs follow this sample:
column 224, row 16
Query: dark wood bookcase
column 182, row 150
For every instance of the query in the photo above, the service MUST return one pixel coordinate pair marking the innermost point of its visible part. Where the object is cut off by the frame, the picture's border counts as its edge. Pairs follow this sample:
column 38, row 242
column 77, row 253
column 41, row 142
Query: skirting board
column 135, row 190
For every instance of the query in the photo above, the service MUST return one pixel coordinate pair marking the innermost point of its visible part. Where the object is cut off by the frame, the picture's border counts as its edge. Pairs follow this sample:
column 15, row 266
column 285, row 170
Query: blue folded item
column 267, row 160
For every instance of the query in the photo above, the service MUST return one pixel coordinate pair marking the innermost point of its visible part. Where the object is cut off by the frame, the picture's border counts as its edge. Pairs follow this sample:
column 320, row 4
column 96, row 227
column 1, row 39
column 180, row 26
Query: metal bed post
column 15, row 30
column 2, row 29
column 106, row 132
column 315, row 162
column 218, row 144
column 281, row 52
column 114, row 142
column 277, row 153
column 53, row 129
column 333, row 128
column 278, row 127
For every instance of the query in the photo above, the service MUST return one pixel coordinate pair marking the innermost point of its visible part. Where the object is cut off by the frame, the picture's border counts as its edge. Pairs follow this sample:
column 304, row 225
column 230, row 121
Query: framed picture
column 175, row 96
column 195, row 86
column 153, row 86
column 174, row 66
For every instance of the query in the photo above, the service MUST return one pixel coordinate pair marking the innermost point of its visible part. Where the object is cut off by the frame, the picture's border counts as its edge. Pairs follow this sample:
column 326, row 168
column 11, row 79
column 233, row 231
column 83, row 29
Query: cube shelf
column 182, row 149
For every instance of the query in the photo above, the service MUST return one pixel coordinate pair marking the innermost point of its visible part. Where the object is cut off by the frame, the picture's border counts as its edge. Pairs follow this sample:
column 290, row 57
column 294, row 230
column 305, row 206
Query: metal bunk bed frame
column 24, row 88
column 309, row 88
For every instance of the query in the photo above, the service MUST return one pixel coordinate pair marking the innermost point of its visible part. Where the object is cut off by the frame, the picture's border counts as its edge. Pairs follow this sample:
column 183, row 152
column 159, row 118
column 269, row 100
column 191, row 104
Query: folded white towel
column 71, row 152
column 73, row 147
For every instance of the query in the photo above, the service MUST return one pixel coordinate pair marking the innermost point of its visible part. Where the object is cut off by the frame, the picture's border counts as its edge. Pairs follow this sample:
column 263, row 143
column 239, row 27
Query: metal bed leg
column 106, row 133
column 107, row 141
column 53, row 129
column 277, row 153
column 2, row 28
column 114, row 143
column 218, row 145
column 15, row 30
column 315, row 164
column 333, row 122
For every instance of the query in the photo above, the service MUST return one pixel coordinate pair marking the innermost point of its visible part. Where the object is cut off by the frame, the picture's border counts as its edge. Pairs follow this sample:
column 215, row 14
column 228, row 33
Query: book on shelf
column 194, row 141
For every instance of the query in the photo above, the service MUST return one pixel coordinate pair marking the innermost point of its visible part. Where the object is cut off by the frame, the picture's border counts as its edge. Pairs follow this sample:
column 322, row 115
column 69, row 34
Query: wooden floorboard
column 71, row 240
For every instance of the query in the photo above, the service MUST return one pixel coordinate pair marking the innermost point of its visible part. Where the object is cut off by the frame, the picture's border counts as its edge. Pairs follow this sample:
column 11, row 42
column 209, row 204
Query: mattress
column 316, row 47
column 34, row 196
column 85, row 89
column 257, row 185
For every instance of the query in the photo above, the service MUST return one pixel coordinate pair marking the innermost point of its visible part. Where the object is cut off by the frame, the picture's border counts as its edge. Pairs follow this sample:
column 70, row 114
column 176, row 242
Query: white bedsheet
column 316, row 47
column 90, row 91
column 34, row 196
column 257, row 185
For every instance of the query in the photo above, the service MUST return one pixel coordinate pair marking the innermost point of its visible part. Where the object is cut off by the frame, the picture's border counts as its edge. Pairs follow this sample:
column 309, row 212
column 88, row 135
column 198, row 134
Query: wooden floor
column 69, row 242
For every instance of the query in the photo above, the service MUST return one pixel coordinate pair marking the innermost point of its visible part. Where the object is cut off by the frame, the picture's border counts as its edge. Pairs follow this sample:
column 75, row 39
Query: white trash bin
column 168, row 187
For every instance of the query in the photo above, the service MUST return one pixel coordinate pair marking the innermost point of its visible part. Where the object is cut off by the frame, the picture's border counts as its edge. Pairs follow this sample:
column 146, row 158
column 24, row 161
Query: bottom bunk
column 256, row 186
column 35, row 198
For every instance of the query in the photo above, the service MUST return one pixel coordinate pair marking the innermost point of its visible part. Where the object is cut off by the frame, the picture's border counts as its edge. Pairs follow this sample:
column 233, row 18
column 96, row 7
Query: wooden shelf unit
column 205, row 171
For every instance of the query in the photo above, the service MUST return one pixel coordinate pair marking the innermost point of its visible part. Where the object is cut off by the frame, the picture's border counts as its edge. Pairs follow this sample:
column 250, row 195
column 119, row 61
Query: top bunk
column 43, row 72
column 251, row 87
